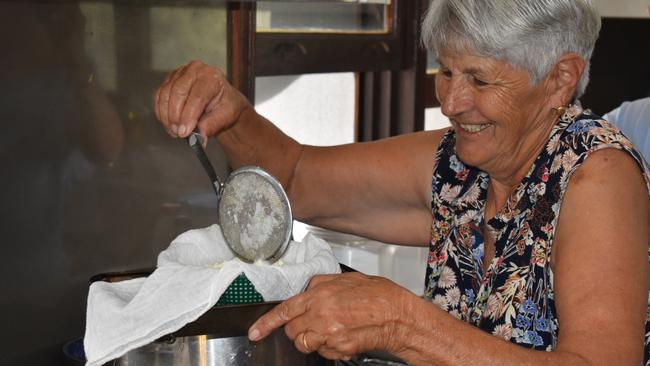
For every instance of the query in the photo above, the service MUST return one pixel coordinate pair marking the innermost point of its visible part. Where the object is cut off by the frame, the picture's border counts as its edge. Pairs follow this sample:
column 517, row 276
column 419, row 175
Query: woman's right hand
column 198, row 95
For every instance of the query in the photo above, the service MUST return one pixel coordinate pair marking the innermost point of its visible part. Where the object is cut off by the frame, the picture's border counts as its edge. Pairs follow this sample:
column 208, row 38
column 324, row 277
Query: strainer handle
column 196, row 143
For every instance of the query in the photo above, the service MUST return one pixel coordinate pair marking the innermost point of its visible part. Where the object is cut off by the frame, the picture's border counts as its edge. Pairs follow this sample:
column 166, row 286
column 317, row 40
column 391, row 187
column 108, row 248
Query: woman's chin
column 471, row 155
column 473, row 148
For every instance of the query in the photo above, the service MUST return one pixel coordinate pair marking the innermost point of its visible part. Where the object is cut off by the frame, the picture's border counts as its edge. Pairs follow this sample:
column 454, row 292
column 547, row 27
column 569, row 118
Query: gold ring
column 304, row 342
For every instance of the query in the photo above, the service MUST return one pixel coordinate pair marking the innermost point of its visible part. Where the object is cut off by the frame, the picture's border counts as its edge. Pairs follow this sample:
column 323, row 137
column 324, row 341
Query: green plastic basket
column 241, row 291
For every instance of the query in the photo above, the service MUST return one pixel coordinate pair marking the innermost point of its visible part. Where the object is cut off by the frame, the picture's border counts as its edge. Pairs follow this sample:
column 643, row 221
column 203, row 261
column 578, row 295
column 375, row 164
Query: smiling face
column 501, row 120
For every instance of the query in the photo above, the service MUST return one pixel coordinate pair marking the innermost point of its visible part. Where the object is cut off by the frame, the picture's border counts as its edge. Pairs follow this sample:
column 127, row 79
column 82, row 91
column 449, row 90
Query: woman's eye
column 479, row 82
column 446, row 73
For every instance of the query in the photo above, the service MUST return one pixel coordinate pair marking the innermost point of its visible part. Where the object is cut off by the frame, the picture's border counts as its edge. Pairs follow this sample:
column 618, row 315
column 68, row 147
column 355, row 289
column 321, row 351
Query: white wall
column 434, row 119
column 314, row 109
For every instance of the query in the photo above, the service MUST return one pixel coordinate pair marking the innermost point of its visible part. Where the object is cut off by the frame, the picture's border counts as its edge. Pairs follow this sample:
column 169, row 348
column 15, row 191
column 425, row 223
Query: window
column 433, row 117
column 349, row 18
column 329, row 37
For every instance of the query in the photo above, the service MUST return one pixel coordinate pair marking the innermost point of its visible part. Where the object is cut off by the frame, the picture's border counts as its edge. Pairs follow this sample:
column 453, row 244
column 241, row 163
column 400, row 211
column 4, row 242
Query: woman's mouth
column 473, row 128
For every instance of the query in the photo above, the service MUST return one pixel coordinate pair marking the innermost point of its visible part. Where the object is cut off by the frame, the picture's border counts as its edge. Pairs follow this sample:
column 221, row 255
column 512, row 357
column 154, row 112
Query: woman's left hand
column 341, row 315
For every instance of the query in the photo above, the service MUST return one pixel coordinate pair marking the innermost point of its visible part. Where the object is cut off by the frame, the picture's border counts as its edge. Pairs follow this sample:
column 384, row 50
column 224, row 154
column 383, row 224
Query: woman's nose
column 455, row 97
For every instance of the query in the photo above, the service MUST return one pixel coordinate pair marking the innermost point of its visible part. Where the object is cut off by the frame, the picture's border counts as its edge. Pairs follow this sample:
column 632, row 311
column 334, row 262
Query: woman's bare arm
column 601, row 287
column 381, row 190
column 601, row 260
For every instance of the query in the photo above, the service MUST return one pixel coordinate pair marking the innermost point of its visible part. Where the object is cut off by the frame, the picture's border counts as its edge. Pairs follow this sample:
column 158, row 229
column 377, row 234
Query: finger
column 165, row 97
column 162, row 104
column 156, row 100
column 277, row 317
column 180, row 91
column 213, row 122
column 297, row 325
column 332, row 354
column 308, row 341
column 200, row 95
column 170, row 75
column 156, row 110
column 225, row 108
column 302, row 344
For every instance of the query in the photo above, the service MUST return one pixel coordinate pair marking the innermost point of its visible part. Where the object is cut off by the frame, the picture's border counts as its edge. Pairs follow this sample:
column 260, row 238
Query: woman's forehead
column 468, row 61
column 481, row 66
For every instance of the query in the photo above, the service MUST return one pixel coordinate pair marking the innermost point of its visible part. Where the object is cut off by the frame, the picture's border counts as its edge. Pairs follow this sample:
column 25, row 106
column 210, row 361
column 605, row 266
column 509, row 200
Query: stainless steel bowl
column 276, row 349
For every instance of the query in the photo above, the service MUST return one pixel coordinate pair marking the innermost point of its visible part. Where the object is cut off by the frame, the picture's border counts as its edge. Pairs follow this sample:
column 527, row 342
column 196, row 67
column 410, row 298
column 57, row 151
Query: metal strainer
column 253, row 209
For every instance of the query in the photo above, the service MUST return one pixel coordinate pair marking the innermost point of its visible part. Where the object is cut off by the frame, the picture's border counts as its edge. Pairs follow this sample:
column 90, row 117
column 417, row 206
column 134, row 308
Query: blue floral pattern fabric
column 514, row 298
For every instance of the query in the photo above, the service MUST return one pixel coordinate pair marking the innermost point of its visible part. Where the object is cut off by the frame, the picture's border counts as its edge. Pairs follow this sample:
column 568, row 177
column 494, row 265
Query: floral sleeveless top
column 514, row 300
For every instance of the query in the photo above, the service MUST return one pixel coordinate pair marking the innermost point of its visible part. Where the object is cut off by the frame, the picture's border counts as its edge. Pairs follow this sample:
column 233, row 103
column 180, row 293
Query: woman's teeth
column 474, row 128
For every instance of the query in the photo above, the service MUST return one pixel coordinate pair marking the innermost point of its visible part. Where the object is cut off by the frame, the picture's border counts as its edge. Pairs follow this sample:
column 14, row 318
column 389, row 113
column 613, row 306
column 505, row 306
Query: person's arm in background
column 380, row 190
column 633, row 118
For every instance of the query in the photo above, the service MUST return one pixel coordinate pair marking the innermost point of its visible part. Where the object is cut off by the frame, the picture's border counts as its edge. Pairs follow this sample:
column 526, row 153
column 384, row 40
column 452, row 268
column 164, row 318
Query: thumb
column 223, row 111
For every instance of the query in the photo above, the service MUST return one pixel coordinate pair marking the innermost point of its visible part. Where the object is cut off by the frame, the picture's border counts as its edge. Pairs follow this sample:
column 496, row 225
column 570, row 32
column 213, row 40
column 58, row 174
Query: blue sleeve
column 633, row 118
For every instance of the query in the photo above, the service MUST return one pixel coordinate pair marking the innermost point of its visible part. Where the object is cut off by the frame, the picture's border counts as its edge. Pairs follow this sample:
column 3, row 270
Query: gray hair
column 528, row 34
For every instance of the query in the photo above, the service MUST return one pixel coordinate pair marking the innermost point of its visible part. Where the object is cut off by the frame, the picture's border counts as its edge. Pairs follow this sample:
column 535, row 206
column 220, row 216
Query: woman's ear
column 565, row 76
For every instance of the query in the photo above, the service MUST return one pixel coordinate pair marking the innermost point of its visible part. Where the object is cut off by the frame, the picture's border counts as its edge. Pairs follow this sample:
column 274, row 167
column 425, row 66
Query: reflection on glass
column 181, row 34
column 99, row 41
column 91, row 182
column 276, row 16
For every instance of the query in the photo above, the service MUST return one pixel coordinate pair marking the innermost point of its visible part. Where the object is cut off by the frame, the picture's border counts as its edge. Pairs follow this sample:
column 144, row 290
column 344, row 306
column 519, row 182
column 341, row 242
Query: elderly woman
column 536, row 211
